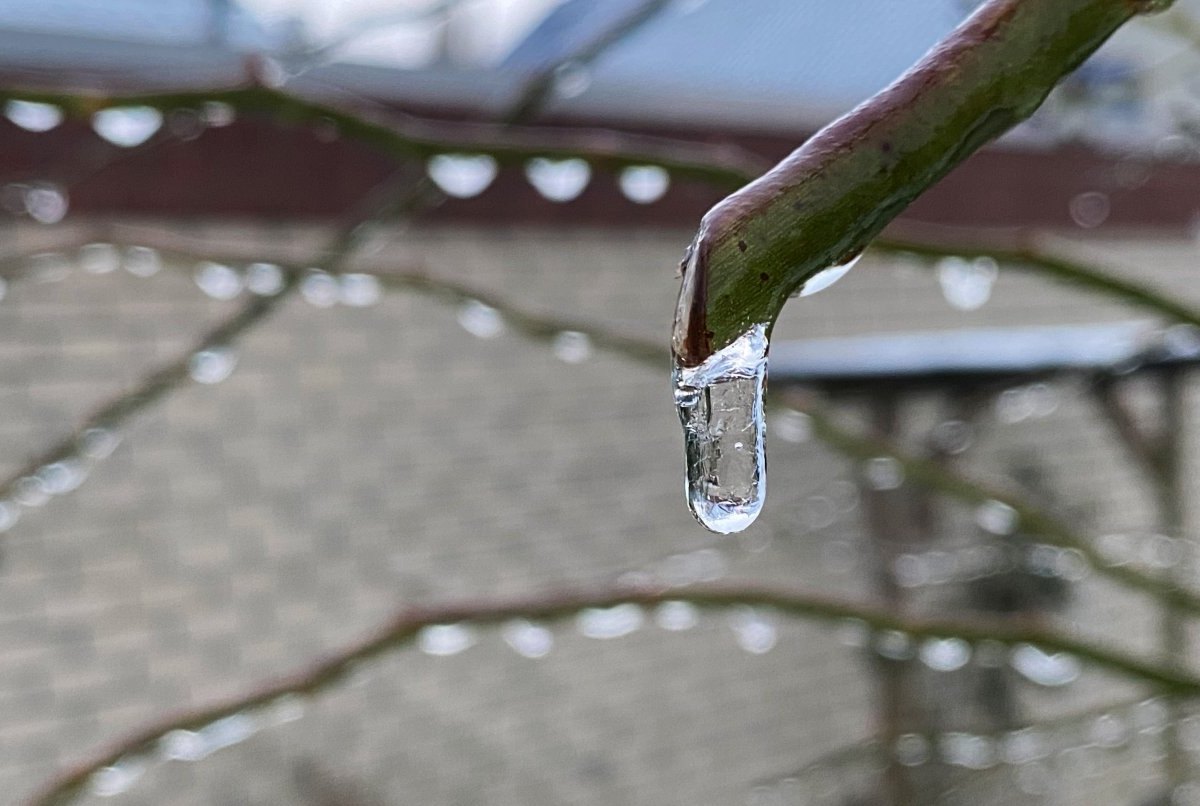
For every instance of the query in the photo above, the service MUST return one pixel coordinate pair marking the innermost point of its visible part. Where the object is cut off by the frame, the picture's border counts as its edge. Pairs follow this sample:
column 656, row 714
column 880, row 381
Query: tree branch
column 406, row 625
column 821, row 205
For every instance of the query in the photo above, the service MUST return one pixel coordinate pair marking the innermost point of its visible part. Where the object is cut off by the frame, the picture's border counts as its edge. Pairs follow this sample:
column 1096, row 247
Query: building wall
column 361, row 459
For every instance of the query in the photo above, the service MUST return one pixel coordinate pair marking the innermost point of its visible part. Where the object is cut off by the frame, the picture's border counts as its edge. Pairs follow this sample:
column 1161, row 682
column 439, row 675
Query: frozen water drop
column 676, row 616
column 320, row 289
column 572, row 346
column 441, row 640
column 10, row 513
column 264, row 279
column 480, row 320
column 99, row 258
column 894, row 645
column 610, row 622
column 283, row 709
column 182, row 745
column 1024, row 746
column 1182, row 341
column 63, row 476
column 967, row 284
column 1045, row 668
column 952, row 436
column 33, row 116
column 30, row 491
column 218, row 280
column 217, row 114
column 127, row 126
column 997, row 518
column 968, row 750
column 212, row 365
column 227, row 731
column 827, row 277
column 755, row 632
column 115, row 779
column 46, row 203
column 142, row 261
column 644, row 184
column 1090, row 209
column 945, row 654
column 98, row 443
column 48, row 267
column 884, row 473
column 527, row 639
column 359, row 290
column 1109, row 730
column 720, row 403
column 558, row 180
column 462, row 175
column 911, row 749
column 571, row 79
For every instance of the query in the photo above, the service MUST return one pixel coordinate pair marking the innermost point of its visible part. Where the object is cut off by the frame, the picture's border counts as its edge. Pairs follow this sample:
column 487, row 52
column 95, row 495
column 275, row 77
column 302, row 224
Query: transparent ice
column 212, row 365
column 445, row 639
column 1043, row 668
column 572, row 347
column 264, row 279
column 644, row 184
column 480, row 320
column 99, row 258
column 320, row 289
column 218, row 280
column 610, row 622
column 127, row 126
column 528, row 639
column 827, row 277
column 462, row 175
column 359, row 290
column 720, row 405
column 967, row 284
column 46, row 203
column 33, row 116
column 558, row 180
column 142, row 261
column 676, row 616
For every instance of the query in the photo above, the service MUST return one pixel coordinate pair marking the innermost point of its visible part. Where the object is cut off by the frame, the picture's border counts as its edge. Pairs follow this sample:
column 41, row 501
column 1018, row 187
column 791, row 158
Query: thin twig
column 405, row 626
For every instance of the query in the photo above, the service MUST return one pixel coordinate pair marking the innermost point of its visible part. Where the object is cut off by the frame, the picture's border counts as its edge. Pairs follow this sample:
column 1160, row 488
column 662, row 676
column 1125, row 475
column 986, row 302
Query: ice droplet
column 754, row 631
column 462, row 175
column 359, row 290
column 127, row 126
column 945, row 654
column 644, row 184
column 528, row 639
column 142, row 261
column 107, row 782
column 1044, row 668
column 720, row 405
column 320, row 289
column 46, row 203
column 827, row 277
column 444, row 639
column 558, row 180
column 264, row 279
column 33, row 116
column 967, row 284
column 676, row 616
column 98, row 443
column 217, row 114
column 212, row 365
column 572, row 347
column 571, row 79
column 480, row 320
column 610, row 622
column 218, row 280
column 99, row 258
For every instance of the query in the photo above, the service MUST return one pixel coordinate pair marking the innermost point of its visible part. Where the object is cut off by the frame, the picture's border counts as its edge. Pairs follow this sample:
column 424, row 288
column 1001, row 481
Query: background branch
column 406, row 625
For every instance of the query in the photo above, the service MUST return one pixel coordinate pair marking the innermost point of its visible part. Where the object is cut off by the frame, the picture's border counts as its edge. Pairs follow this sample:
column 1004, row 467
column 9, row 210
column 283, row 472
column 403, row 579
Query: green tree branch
column 824, row 203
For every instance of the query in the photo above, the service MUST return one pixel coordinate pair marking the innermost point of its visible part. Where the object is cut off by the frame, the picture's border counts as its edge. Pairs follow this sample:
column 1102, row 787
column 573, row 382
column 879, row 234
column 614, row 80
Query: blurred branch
column 154, row 386
column 407, row 137
column 1024, row 251
column 1033, row 521
column 540, row 83
column 822, row 205
column 407, row 624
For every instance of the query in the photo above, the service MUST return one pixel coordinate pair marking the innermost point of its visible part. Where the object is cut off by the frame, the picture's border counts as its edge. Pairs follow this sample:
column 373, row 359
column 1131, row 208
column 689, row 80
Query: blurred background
column 347, row 446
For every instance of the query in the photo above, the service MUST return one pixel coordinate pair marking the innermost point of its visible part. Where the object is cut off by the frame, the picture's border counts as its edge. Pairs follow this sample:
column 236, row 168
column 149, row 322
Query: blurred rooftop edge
column 763, row 74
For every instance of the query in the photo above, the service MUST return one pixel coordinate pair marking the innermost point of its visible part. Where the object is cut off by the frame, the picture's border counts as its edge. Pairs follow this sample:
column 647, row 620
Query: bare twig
column 408, row 623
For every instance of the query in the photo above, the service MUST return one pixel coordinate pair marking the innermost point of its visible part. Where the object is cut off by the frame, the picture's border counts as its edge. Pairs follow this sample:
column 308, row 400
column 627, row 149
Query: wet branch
column 824, row 203
column 405, row 626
